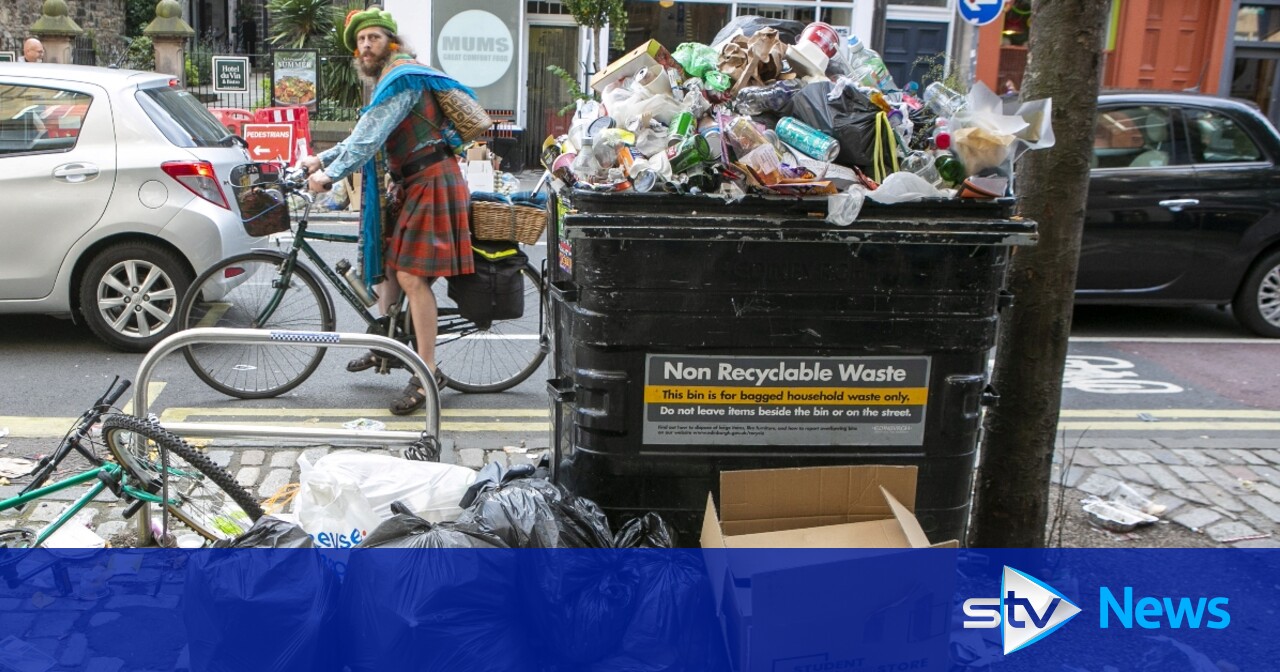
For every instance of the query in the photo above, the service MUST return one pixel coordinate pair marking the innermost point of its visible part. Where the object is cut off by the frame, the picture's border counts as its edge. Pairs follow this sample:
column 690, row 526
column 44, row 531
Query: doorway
column 1254, row 79
column 548, row 94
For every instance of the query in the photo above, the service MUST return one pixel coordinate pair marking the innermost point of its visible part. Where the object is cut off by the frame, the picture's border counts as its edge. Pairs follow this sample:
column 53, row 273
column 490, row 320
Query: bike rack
column 327, row 339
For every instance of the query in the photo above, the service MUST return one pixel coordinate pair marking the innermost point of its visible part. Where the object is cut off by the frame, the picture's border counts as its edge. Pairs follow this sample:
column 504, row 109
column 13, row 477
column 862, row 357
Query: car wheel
column 1257, row 304
column 129, row 295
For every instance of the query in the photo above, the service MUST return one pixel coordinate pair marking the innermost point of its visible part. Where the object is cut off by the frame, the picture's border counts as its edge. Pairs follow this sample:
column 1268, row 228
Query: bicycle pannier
column 466, row 113
column 496, row 290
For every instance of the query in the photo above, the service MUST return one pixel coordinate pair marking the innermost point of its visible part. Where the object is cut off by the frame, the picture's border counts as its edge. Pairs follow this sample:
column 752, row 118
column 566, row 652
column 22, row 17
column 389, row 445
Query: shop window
column 670, row 26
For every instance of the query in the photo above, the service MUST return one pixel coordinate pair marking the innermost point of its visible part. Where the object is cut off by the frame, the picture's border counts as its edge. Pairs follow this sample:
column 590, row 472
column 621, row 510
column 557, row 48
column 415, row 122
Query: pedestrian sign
column 270, row 142
column 980, row 12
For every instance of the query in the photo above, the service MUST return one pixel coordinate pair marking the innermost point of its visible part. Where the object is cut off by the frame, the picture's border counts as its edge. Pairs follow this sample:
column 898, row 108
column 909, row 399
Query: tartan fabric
column 432, row 236
column 412, row 134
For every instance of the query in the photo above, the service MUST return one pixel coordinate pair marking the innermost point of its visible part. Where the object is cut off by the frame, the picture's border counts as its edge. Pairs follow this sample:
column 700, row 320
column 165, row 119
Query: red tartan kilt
column 432, row 236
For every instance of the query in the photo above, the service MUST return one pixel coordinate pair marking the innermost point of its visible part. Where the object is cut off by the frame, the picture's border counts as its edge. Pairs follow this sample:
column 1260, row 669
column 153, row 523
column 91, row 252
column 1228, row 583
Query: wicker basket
column 503, row 221
column 466, row 113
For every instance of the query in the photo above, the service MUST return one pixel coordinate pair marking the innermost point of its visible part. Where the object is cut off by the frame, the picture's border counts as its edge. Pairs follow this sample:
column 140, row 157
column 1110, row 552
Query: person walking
column 428, row 235
column 33, row 51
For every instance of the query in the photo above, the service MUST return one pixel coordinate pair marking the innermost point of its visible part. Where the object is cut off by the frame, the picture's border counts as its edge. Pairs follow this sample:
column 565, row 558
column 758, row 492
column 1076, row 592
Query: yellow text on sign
column 787, row 396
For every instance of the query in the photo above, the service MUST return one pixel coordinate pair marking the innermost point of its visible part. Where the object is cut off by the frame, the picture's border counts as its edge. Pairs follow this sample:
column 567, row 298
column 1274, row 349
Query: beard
column 373, row 70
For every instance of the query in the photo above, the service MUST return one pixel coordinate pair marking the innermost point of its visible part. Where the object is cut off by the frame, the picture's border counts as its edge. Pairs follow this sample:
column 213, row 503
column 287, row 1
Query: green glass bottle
column 950, row 169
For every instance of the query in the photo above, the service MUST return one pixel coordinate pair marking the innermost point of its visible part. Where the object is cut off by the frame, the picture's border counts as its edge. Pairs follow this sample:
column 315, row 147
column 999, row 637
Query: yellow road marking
column 25, row 427
column 181, row 414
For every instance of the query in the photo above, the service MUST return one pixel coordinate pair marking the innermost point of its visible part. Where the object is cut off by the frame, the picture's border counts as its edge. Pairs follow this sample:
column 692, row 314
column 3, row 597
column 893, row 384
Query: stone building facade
column 102, row 19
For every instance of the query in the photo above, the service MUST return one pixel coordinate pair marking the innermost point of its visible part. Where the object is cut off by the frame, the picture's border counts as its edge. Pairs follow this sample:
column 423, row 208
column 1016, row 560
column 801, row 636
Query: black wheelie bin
column 692, row 336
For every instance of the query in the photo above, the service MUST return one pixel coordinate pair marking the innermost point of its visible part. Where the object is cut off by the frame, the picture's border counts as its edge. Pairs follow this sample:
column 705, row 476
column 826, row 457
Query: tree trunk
column 1065, row 64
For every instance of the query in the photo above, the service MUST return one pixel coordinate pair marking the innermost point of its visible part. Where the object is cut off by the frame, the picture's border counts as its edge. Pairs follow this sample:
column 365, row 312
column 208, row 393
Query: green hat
column 358, row 20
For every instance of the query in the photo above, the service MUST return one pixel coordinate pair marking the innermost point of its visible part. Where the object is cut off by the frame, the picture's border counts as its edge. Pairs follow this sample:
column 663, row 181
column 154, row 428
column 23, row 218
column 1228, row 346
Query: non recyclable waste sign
column 694, row 399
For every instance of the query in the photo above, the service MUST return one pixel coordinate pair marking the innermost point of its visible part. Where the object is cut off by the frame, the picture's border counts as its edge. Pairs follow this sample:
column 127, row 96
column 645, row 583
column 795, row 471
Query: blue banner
column 653, row 610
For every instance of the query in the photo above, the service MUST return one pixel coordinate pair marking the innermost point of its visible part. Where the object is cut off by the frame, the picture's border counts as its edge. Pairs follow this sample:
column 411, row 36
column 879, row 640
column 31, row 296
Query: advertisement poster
column 478, row 42
column 711, row 400
column 295, row 77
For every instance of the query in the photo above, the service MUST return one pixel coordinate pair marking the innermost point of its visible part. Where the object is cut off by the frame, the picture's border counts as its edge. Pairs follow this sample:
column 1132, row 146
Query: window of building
column 1257, row 23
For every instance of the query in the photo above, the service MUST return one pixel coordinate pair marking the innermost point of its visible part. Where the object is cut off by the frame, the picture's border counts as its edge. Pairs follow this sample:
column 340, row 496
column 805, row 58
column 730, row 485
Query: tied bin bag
column 496, row 290
column 851, row 118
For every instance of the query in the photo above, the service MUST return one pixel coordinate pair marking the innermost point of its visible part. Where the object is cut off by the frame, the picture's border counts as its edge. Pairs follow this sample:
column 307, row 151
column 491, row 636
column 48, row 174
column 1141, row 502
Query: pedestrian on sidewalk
column 421, row 227
column 33, row 51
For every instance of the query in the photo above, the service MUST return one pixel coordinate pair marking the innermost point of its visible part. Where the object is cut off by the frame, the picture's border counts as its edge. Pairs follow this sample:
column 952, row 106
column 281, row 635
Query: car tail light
column 198, row 176
column 231, row 272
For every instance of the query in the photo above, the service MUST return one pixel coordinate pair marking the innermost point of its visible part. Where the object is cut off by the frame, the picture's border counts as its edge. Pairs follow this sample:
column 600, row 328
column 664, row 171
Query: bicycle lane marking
column 41, row 427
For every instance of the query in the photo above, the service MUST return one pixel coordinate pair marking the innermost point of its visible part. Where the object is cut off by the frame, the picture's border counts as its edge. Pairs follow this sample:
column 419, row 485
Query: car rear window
column 182, row 119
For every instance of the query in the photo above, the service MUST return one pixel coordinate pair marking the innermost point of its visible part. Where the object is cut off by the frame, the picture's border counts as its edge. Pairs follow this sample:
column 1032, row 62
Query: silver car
column 113, row 197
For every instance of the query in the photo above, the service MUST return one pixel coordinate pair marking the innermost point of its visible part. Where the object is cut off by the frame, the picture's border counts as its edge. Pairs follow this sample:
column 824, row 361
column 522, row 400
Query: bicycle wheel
column 236, row 293
column 497, row 358
column 201, row 494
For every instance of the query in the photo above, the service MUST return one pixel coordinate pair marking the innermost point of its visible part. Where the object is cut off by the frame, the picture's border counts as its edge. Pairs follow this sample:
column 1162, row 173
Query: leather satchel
column 466, row 113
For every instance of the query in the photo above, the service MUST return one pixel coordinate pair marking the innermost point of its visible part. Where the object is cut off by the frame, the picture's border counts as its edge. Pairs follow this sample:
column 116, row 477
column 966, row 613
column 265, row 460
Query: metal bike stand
column 327, row 339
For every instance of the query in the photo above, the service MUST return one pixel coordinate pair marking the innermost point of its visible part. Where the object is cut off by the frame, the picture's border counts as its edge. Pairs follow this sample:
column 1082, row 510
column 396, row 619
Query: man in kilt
column 430, row 236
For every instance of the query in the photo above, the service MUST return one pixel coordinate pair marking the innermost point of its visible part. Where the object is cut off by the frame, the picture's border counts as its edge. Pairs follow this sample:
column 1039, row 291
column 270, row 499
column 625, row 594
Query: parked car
column 1184, row 206
column 114, row 193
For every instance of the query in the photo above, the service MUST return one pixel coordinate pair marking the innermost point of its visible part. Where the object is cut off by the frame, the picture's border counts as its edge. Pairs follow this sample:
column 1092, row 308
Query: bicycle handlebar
column 113, row 393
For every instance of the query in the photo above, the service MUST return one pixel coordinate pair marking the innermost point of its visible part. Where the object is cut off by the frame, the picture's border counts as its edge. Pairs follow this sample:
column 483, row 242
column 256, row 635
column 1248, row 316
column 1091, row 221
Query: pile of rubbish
column 779, row 107
column 382, row 604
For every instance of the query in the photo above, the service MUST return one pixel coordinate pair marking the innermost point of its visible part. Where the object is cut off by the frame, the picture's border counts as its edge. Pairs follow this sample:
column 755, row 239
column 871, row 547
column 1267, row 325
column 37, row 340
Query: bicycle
column 146, row 463
column 270, row 289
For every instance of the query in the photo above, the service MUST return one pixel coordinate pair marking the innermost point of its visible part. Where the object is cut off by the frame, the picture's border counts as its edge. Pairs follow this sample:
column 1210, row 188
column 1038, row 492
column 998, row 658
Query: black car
column 1184, row 206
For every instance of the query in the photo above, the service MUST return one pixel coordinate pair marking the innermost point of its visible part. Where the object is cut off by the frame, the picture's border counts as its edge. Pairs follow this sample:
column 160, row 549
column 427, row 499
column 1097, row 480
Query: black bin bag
column 496, row 290
column 851, row 119
column 432, row 598
column 268, row 603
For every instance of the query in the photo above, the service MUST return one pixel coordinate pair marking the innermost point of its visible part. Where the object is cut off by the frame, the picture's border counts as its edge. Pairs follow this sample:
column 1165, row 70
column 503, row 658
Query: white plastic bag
column 431, row 490
column 331, row 508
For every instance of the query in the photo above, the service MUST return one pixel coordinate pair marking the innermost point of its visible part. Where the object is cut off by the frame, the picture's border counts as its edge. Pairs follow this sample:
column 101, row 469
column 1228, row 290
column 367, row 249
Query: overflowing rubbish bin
column 693, row 336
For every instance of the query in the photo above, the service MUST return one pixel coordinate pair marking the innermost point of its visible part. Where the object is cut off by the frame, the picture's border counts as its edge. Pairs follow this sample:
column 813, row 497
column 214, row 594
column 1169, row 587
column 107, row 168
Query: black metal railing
column 338, row 98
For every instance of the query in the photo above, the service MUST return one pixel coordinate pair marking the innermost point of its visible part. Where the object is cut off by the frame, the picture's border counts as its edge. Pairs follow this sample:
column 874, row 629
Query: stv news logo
column 1026, row 611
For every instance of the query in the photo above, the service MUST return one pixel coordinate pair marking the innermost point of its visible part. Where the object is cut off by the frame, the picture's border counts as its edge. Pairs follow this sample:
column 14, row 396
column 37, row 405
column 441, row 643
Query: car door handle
column 1177, row 204
column 75, row 172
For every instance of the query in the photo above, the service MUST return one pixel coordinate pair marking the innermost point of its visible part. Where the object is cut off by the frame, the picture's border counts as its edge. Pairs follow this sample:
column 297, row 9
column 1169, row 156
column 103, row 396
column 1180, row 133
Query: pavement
column 1217, row 492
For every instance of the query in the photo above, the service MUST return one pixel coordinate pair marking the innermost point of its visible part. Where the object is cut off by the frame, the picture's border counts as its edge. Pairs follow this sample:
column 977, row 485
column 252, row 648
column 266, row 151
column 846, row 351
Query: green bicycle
column 146, row 462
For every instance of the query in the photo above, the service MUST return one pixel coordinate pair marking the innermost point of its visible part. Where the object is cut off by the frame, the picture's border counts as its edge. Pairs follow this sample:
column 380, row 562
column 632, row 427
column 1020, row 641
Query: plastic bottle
column 941, row 134
column 754, row 100
column 943, row 101
column 877, row 74
column 586, row 168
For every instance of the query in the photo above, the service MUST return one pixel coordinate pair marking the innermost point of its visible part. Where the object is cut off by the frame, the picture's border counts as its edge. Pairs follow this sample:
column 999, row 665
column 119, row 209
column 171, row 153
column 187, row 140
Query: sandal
column 414, row 397
column 411, row 399
column 370, row 360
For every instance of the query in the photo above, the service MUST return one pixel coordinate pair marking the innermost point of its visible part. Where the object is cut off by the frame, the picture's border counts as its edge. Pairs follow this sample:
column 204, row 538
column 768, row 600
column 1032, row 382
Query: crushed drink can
column 807, row 139
column 712, row 134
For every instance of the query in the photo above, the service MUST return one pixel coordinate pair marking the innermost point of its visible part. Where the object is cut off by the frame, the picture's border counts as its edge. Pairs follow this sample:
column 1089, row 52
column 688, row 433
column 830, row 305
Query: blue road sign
column 980, row 12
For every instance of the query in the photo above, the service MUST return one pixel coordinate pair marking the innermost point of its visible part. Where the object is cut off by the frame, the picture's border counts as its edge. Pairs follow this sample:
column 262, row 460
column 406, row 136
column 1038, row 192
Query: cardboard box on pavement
column 788, row 610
